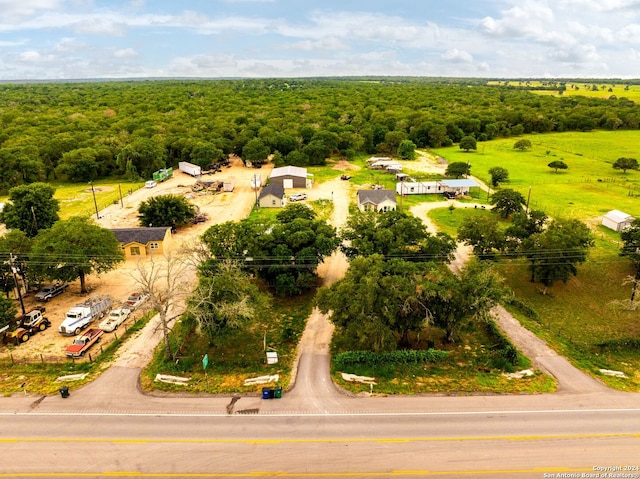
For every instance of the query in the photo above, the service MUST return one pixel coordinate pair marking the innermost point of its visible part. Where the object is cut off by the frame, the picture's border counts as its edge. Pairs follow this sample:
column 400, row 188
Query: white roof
column 459, row 183
column 289, row 171
column 617, row 216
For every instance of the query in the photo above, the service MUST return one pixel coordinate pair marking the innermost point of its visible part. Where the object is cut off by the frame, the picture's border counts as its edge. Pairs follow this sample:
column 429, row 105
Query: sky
column 77, row 39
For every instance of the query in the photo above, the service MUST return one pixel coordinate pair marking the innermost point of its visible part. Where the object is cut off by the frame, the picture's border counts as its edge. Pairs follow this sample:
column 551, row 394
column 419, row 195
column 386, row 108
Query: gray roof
column 140, row 235
column 272, row 189
column 289, row 171
column 375, row 196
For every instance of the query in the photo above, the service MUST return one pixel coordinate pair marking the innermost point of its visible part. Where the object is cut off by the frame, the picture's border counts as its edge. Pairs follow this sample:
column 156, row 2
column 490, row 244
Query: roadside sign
column 205, row 361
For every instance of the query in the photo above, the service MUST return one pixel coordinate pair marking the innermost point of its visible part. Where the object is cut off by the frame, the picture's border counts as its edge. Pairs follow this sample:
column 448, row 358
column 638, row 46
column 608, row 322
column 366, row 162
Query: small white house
column 418, row 187
column 272, row 196
column 617, row 220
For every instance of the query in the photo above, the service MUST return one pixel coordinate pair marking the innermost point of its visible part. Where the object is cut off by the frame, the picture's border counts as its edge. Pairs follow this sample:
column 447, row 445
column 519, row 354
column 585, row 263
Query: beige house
column 139, row 243
column 272, row 196
column 377, row 200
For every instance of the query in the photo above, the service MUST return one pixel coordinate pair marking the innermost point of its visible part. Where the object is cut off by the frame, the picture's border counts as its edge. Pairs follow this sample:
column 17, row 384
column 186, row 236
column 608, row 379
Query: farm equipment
column 27, row 325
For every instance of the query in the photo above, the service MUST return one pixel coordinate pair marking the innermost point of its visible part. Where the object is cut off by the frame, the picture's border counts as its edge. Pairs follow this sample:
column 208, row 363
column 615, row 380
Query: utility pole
column 35, row 221
column 15, row 280
column 120, row 190
column 255, row 187
column 528, row 198
column 95, row 203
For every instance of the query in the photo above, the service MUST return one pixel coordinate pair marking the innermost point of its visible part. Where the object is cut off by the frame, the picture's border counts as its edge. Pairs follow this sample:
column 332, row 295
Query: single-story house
column 138, row 243
column 374, row 159
column 458, row 187
column 272, row 196
column 617, row 220
column 418, row 187
column 290, row 177
column 376, row 200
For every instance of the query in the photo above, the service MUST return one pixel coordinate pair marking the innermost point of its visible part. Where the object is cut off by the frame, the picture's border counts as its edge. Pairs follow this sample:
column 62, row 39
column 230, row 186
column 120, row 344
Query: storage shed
column 290, row 177
column 617, row 220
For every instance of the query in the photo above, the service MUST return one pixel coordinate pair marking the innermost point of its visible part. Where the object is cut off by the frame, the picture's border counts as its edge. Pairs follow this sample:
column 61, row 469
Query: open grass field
column 585, row 319
column 77, row 199
column 589, row 188
column 604, row 90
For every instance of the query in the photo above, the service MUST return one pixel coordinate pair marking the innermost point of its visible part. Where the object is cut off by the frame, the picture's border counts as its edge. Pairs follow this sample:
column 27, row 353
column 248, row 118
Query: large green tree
column 285, row 252
column 379, row 303
column 458, row 169
column 394, row 234
column 407, row 150
column 483, row 234
column 625, row 164
column 73, row 249
column 31, row 208
column 166, row 210
column 558, row 165
column 498, row 175
column 507, row 202
column 226, row 298
column 468, row 143
column 555, row 253
column 79, row 165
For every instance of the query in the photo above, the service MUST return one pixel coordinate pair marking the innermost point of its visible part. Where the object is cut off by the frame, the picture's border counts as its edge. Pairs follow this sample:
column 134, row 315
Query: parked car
column 50, row 291
column 115, row 319
column 298, row 197
column 150, row 184
column 345, row 177
column 135, row 300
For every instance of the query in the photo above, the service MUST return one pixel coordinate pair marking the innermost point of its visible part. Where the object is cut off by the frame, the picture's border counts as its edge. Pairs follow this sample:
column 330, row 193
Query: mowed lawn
column 586, row 319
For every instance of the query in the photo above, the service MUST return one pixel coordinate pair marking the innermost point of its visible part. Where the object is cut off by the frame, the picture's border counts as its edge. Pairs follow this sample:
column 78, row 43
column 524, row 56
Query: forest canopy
column 87, row 130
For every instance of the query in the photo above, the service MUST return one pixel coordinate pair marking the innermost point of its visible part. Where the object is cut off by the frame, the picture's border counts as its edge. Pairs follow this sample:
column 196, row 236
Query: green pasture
column 77, row 199
column 603, row 90
column 588, row 188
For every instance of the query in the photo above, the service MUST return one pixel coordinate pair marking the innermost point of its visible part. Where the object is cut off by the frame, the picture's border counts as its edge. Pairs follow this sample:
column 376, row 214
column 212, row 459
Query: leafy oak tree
column 522, row 145
column 483, row 234
column 468, row 143
column 507, row 202
column 458, row 169
column 625, row 164
column 73, row 249
column 166, row 210
column 498, row 175
column 407, row 150
column 558, row 165
column 226, row 298
column 31, row 208
column 394, row 234
column 554, row 253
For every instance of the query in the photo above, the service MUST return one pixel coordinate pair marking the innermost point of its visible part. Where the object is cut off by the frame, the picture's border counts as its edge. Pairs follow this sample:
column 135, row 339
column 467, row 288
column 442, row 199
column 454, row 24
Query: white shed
column 617, row 220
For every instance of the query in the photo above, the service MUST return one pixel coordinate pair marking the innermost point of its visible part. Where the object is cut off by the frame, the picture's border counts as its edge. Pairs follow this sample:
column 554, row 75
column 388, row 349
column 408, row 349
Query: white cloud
column 322, row 44
column 12, row 10
column 457, row 56
column 125, row 53
column 526, row 19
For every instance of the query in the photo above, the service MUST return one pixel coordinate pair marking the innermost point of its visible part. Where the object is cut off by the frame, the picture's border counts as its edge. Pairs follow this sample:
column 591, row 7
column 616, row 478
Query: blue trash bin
column 266, row 393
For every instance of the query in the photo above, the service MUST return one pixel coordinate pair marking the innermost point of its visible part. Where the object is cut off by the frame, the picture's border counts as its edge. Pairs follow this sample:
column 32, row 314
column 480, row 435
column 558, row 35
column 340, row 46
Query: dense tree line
column 83, row 131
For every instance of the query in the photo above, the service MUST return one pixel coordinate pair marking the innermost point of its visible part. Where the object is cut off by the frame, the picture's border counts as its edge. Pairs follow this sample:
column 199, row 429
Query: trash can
column 64, row 391
column 267, row 393
column 277, row 392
